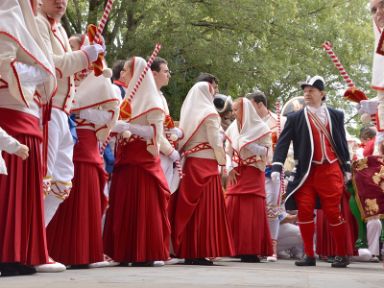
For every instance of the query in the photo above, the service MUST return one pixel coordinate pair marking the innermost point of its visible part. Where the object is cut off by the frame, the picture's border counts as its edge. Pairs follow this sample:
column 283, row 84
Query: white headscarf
column 378, row 63
column 147, row 97
column 197, row 106
column 252, row 127
column 17, row 23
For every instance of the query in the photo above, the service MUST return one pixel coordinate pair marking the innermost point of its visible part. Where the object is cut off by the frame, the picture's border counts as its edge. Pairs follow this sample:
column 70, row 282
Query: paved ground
column 226, row 273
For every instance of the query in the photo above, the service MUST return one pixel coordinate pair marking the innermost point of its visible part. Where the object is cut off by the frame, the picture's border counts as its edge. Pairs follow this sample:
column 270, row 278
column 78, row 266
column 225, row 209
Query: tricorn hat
column 223, row 103
column 316, row 81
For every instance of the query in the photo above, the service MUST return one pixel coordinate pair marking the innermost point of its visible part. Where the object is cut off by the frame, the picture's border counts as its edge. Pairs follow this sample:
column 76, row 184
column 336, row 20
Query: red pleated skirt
column 199, row 221
column 74, row 235
column 22, row 231
column 325, row 245
column 137, row 227
column 247, row 216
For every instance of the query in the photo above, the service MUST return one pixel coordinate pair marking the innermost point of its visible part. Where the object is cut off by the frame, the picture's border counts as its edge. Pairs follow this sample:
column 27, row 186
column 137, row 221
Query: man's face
column 377, row 11
column 313, row 96
column 54, row 8
column 215, row 86
column 162, row 77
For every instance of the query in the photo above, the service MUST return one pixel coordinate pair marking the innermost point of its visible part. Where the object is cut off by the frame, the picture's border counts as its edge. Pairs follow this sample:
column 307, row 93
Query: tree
column 266, row 44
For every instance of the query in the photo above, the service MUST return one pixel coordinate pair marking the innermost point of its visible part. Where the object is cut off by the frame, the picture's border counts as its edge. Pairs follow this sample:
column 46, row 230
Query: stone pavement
column 226, row 273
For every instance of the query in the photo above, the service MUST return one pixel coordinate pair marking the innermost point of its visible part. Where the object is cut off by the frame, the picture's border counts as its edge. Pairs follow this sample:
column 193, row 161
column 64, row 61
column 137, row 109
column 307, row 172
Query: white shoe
column 104, row 263
column 272, row 258
column 364, row 255
column 173, row 261
column 158, row 264
column 51, row 267
column 283, row 255
column 374, row 259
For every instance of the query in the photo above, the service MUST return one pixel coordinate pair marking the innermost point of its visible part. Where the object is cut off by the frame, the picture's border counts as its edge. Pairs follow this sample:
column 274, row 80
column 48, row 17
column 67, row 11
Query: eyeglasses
column 379, row 6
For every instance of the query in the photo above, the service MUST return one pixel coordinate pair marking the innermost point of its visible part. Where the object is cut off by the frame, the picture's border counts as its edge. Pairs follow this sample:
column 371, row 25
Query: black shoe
column 79, row 266
column 24, row 269
column 142, row 264
column 340, row 262
column 250, row 259
column 14, row 269
column 8, row 269
column 330, row 259
column 198, row 261
column 306, row 261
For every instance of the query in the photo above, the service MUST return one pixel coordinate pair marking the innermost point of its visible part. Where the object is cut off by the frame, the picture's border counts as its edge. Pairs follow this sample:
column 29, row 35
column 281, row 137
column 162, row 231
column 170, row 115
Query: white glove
column 368, row 106
column 8, row 143
column 347, row 177
column 120, row 127
column 144, row 131
column 174, row 156
column 379, row 137
column 96, row 116
column 177, row 131
column 30, row 75
column 92, row 51
column 257, row 149
column 275, row 176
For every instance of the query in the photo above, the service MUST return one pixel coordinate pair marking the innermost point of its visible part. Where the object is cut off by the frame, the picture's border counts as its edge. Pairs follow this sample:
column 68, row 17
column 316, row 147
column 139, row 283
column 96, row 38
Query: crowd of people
column 95, row 172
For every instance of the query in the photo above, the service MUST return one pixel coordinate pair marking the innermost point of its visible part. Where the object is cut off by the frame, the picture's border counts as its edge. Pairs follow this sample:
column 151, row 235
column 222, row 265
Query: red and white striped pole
column 282, row 184
column 104, row 19
column 177, row 162
column 328, row 48
column 352, row 93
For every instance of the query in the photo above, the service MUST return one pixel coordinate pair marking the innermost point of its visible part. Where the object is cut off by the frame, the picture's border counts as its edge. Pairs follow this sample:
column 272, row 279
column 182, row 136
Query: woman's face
column 126, row 73
column 35, row 5
column 238, row 111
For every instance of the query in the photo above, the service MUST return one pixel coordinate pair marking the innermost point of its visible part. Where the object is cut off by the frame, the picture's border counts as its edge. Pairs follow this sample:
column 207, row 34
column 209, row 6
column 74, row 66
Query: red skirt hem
column 22, row 229
column 137, row 227
column 74, row 235
column 200, row 224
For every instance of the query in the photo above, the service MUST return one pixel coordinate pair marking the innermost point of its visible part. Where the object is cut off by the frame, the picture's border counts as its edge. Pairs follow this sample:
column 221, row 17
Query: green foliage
column 266, row 44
